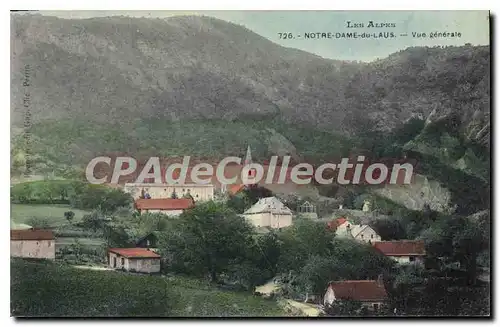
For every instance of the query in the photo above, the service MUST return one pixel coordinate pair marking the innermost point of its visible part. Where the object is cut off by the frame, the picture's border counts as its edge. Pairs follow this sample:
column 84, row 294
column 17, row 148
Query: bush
column 37, row 222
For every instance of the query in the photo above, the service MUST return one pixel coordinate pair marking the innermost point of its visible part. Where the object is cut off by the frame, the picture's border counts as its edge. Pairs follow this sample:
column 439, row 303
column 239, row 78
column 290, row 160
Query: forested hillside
column 205, row 87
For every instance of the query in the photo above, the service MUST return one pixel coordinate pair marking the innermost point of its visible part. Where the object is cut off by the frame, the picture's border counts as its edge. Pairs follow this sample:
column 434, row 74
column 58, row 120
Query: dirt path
column 305, row 309
column 92, row 268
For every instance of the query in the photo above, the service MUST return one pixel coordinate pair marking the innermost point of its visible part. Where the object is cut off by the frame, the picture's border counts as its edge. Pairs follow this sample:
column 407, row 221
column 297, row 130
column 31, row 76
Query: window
column 123, row 261
column 372, row 236
column 412, row 258
column 375, row 306
column 49, row 243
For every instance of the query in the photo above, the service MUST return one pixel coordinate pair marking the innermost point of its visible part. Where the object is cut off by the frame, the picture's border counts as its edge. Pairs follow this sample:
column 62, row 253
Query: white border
column 200, row 5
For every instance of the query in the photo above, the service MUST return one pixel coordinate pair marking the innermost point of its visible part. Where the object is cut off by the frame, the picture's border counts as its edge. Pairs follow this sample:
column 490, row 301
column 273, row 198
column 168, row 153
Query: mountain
column 205, row 87
column 120, row 69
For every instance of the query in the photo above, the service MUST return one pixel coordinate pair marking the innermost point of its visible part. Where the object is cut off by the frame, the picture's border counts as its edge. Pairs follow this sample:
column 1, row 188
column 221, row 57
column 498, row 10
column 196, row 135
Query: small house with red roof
column 371, row 293
column 334, row 224
column 134, row 260
column 403, row 251
column 170, row 207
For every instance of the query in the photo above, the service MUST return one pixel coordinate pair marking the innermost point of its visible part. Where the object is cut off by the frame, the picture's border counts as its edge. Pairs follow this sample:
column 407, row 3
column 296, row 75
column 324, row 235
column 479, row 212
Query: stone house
column 360, row 233
column 371, row 293
column 32, row 243
column 134, row 260
column 364, row 234
column 269, row 212
column 403, row 251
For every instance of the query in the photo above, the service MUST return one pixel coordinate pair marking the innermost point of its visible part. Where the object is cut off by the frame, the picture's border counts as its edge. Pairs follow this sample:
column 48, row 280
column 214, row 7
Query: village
column 267, row 214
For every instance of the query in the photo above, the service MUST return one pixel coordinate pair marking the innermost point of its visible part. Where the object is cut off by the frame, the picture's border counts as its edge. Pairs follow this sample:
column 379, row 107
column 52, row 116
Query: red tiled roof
column 163, row 204
column 340, row 221
column 31, row 234
column 359, row 290
column 135, row 253
column 402, row 247
column 235, row 188
column 336, row 223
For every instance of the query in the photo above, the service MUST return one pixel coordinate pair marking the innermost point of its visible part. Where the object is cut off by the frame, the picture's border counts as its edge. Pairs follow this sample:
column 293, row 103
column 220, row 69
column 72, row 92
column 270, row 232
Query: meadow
column 53, row 214
column 49, row 289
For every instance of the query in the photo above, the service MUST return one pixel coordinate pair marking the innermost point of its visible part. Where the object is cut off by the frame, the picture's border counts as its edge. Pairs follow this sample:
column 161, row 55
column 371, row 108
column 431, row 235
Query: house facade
column 32, row 243
column 169, row 207
column 364, row 234
column 134, row 260
column 199, row 192
column 269, row 212
column 360, row 233
column 403, row 251
column 371, row 293
column 307, row 210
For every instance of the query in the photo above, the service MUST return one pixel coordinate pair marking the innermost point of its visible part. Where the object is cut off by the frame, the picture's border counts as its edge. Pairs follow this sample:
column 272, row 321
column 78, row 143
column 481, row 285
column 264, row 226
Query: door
column 114, row 262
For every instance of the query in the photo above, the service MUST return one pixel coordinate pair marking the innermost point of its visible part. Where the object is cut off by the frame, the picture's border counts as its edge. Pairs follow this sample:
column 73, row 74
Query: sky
column 472, row 25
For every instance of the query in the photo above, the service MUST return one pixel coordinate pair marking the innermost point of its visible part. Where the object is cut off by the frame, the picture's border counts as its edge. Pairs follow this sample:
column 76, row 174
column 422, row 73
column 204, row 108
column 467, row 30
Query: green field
column 46, row 289
column 53, row 213
column 88, row 243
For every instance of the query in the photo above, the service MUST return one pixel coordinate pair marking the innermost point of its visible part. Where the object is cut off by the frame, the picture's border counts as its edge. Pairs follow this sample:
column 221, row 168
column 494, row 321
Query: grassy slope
column 50, row 289
column 53, row 213
column 57, row 145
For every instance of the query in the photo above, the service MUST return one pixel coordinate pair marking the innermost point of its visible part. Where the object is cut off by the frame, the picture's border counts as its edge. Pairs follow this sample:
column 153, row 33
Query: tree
column 345, row 308
column 69, row 215
column 208, row 239
column 299, row 242
column 116, row 236
column 94, row 221
column 239, row 202
column 388, row 229
column 255, row 192
column 38, row 222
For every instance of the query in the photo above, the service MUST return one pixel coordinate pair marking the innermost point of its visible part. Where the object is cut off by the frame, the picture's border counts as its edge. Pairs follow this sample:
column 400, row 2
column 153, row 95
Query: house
column 403, row 251
column 269, row 212
column 364, row 234
column 371, row 293
column 32, row 243
column 307, row 210
column 170, row 207
column 149, row 241
column 134, row 259
column 360, row 233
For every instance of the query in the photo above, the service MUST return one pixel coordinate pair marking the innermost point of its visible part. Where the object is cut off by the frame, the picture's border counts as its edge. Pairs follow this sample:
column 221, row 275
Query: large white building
column 199, row 192
column 269, row 212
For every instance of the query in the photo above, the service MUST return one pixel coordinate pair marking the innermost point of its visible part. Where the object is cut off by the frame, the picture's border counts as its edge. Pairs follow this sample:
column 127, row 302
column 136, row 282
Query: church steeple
column 248, row 156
